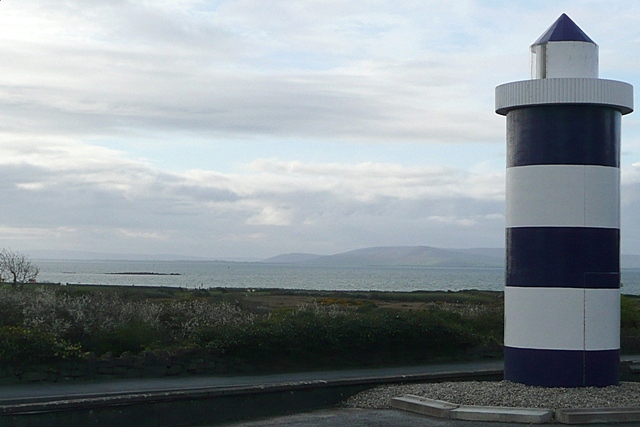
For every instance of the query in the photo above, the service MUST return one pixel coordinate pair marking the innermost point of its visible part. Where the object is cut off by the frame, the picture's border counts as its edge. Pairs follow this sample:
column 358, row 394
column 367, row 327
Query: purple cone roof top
column 563, row 30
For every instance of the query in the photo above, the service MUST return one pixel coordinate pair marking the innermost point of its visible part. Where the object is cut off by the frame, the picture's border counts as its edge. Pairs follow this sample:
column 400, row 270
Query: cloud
column 172, row 66
column 630, row 201
column 92, row 194
column 110, row 112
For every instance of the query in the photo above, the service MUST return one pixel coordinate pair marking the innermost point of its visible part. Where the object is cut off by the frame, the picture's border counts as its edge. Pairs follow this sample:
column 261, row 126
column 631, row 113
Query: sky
column 250, row 128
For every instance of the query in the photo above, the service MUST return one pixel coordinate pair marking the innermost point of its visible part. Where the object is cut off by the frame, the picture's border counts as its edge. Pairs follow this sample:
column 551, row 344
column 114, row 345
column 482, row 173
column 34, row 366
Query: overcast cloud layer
column 250, row 128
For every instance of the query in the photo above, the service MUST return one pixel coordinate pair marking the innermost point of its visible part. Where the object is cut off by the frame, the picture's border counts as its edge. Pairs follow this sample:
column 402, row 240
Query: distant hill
column 417, row 256
column 490, row 252
column 292, row 258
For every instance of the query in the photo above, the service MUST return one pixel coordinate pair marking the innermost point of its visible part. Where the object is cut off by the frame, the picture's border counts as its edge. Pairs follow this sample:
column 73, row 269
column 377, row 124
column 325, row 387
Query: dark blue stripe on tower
column 563, row 257
column 563, row 134
column 562, row 368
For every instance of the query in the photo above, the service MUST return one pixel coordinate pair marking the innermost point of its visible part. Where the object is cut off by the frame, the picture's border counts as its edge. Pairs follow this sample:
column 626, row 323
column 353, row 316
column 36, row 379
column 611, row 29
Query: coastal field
column 78, row 331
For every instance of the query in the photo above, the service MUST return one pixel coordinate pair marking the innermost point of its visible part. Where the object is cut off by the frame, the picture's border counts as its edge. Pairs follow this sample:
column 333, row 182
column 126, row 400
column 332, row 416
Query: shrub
column 311, row 338
column 130, row 337
column 22, row 347
column 102, row 321
column 11, row 303
column 630, row 325
column 629, row 313
column 183, row 319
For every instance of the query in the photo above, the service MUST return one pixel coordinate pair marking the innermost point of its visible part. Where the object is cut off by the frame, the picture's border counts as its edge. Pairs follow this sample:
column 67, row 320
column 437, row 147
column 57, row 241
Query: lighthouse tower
column 562, row 293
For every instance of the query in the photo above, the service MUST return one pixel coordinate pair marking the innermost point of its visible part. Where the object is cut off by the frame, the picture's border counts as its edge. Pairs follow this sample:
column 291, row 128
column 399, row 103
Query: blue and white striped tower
column 562, row 293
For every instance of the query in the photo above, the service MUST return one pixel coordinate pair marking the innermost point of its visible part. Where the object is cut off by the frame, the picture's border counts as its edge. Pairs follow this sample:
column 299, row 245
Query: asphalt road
column 36, row 393
column 32, row 392
column 349, row 417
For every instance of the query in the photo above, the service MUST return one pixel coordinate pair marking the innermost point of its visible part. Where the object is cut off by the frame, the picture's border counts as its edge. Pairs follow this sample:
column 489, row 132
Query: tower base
column 562, row 368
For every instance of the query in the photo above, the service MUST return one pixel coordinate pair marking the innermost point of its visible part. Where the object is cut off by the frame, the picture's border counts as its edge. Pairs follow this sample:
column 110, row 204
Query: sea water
column 211, row 274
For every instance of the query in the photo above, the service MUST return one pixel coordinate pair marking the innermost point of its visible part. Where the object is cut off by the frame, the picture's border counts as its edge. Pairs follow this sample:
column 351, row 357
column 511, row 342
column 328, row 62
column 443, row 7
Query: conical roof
column 564, row 29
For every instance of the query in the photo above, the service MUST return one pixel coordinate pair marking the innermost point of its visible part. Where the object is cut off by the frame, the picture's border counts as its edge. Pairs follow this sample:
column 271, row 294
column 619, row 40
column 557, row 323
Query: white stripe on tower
column 563, row 196
column 563, row 318
column 562, row 293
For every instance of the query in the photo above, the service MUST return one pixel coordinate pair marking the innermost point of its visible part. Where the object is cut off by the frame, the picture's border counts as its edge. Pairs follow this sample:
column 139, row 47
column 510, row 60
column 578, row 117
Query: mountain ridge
column 405, row 256
column 415, row 256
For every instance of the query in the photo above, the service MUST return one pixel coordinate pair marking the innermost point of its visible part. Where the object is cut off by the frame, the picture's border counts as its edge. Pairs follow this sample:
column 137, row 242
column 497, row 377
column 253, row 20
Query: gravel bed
column 504, row 393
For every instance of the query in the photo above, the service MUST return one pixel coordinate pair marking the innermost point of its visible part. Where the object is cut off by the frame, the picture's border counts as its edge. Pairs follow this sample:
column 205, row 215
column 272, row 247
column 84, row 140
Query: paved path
column 43, row 392
column 370, row 418
column 36, row 393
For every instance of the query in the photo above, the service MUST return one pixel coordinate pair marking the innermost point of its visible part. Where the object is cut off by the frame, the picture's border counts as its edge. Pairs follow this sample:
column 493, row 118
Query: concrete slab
column 502, row 414
column 598, row 415
column 422, row 405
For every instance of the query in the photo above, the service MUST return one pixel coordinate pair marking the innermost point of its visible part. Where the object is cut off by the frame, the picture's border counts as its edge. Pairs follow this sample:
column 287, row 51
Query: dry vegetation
column 274, row 329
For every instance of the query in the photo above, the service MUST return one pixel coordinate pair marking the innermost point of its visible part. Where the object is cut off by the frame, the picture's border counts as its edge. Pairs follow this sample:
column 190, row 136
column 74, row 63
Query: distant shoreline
column 144, row 273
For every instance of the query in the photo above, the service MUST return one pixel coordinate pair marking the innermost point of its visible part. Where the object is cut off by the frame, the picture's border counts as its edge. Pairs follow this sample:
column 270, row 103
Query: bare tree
column 16, row 267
